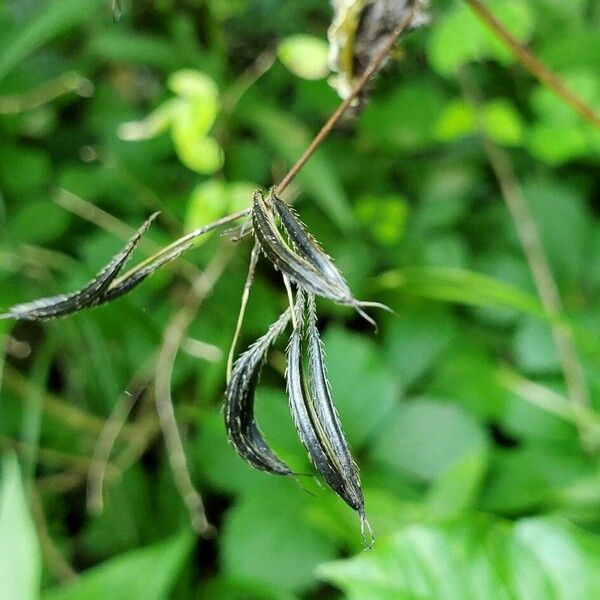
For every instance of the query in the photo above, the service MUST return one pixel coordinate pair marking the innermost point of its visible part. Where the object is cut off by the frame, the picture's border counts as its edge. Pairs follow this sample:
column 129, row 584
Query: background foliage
column 476, row 480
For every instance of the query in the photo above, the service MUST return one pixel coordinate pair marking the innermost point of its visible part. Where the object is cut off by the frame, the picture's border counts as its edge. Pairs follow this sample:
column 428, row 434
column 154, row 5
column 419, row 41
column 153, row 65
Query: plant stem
column 539, row 266
column 373, row 67
column 534, row 65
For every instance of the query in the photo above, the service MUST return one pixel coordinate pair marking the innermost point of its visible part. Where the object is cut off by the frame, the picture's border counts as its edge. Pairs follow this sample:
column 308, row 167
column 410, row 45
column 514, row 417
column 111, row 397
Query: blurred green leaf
column 54, row 19
column 20, row 555
column 535, row 559
column 364, row 390
column 406, row 441
column 305, row 56
column 450, row 47
column 143, row 574
column 462, row 286
column 266, row 539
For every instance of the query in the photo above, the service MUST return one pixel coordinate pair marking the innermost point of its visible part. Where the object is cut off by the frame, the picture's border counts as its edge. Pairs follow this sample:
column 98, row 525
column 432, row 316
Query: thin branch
column 54, row 559
column 173, row 337
column 373, row 67
column 47, row 92
column 245, row 295
column 103, row 450
column 543, row 278
column 534, row 65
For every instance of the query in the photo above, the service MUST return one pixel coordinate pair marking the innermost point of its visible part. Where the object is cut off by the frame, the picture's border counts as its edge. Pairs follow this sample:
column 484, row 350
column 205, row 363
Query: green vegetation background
column 477, row 481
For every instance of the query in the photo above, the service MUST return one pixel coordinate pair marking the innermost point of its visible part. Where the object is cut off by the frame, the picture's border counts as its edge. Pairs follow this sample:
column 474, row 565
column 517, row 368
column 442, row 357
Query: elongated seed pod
column 307, row 273
column 128, row 281
column 284, row 258
column 308, row 426
column 91, row 295
column 241, row 427
column 307, row 245
column 320, row 394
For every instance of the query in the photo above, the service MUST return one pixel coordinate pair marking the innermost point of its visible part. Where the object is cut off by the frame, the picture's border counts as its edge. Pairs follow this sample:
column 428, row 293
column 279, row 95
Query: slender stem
column 245, row 295
column 103, row 449
column 53, row 557
column 373, row 67
column 534, row 65
column 172, row 339
column 539, row 266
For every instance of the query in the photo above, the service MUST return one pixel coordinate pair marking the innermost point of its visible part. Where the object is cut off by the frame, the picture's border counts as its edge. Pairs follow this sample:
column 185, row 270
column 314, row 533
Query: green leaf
column 193, row 85
column 424, row 437
column 460, row 37
column 535, row 559
column 20, row 556
column 304, row 55
column 384, row 217
column 143, row 574
column 462, row 286
column 363, row 389
column 54, row 18
column 267, row 539
column 457, row 489
column 502, row 122
column 203, row 155
column 415, row 339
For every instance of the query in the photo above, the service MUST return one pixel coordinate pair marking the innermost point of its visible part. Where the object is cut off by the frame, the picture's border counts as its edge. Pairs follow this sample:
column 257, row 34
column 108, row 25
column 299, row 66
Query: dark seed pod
column 242, row 430
column 325, row 410
column 312, row 270
column 128, row 281
column 307, row 245
column 283, row 257
column 306, row 421
column 91, row 295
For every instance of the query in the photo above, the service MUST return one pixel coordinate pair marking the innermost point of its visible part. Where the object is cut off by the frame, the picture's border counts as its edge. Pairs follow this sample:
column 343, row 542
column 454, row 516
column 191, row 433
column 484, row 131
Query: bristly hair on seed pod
column 309, row 267
column 94, row 293
column 241, row 427
column 315, row 418
column 359, row 30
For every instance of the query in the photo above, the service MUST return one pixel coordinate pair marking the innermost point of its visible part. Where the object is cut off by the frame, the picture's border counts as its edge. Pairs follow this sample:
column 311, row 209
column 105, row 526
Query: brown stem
column 539, row 266
column 534, row 65
column 373, row 67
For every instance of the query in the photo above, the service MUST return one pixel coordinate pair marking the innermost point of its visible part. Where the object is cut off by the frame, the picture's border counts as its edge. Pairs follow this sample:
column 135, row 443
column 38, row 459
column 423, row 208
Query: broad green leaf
column 461, row 286
column 142, row 574
column 460, row 37
column 266, row 538
column 457, row 489
column 363, row 389
column 20, row 556
column 193, row 85
column 304, row 55
column 499, row 118
column 203, row 155
column 54, row 18
column 424, row 437
column 414, row 341
column 384, row 217
column 534, row 347
column 534, row 559
column 290, row 139
column 502, row 122
column 406, row 119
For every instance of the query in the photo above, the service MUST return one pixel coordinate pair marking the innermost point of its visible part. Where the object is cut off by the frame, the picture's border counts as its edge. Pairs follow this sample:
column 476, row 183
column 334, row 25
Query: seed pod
column 242, row 430
column 306, row 270
column 91, row 295
column 307, row 245
column 309, row 427
column 324, row 408
column 128, row 281
column 283, row 257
